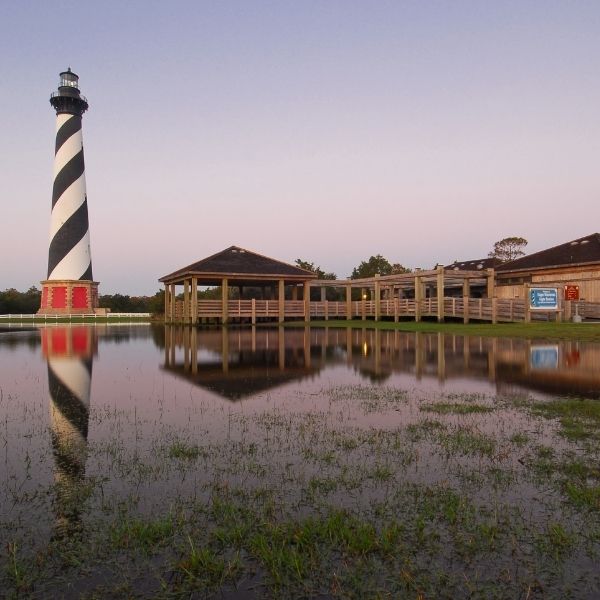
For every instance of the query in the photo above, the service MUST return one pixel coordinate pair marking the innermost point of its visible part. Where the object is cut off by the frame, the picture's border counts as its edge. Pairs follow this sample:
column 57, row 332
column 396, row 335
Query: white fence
column 71, row 317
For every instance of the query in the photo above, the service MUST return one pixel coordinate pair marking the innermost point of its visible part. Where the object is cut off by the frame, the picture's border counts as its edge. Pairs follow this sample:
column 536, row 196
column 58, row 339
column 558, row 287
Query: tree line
column 15, row 302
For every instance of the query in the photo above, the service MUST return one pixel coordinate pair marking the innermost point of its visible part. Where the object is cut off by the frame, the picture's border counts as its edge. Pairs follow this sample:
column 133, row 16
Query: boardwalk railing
column 480, row 309
column 70, row 317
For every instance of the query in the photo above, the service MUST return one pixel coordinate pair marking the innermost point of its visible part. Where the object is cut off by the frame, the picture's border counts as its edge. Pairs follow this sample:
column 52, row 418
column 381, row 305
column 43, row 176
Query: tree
column 13, row 301
column 398, row 269
column 375, row 265
column 508, row 249
column 309, row 266
column 156, row 303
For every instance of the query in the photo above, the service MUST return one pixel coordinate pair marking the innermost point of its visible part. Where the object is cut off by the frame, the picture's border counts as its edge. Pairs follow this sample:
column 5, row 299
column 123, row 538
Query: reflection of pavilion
column 240, row 362
column 69, row 352
column 235, row 363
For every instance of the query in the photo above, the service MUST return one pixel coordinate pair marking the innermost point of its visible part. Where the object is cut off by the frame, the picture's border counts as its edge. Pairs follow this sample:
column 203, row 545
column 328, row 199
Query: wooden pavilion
column 284, row 292
column 241, row 268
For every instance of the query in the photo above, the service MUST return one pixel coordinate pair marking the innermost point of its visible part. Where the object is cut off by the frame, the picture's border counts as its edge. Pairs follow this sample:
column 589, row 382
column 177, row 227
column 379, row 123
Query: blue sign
column 544, row 357
column 543, row 298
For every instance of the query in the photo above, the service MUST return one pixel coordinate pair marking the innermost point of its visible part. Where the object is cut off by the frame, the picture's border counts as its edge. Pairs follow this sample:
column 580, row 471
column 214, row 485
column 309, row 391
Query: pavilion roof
column 241, row 264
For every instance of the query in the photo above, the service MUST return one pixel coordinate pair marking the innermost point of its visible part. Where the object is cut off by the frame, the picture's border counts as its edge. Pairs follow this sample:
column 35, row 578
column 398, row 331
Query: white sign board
column 543, row 298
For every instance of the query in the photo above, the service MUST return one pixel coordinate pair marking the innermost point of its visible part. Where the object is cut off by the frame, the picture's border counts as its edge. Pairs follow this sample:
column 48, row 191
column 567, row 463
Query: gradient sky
column 324, row 130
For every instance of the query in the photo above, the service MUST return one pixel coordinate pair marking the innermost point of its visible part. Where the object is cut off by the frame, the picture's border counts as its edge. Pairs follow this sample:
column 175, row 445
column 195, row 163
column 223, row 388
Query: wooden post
column 295, row 292
column 377, row 292
column 466, row 295
column 281, row 298
column 494, row 310
column 396, row 309
column 440, row 294
column 253, row 311
column 363, row 299
column 173, row 302
column 491, row 287
column 224, row 301
column 306, row 292
column 418, row 295
column 194, row 300
column 568, row 310
column 166, row 302
column 348, row 302
column 186, row 301
column 527, row 304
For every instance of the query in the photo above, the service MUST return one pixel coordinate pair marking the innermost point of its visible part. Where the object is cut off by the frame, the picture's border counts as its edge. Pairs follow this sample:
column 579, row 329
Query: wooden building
column 575, row 263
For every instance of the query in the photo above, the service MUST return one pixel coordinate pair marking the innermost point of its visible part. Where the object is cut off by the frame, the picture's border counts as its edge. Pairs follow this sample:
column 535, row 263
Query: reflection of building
column 70, row 287
column 237, row 363
column 240, row 362
column 69, row 352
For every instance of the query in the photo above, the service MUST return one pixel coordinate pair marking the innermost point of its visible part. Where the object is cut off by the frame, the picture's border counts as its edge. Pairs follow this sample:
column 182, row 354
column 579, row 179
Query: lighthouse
column 69, row 287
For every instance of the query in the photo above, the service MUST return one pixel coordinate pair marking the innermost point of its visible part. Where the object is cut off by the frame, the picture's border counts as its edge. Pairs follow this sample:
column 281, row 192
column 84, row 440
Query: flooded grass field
column 141, row 462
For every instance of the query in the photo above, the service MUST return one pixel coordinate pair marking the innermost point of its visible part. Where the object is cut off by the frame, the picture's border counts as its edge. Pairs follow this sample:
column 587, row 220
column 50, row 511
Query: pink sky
column 324, row 131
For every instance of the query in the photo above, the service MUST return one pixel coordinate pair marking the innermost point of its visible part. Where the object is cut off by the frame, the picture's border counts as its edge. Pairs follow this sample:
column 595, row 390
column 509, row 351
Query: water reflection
column 239, row 362
column 236, row 363
column 69, row 352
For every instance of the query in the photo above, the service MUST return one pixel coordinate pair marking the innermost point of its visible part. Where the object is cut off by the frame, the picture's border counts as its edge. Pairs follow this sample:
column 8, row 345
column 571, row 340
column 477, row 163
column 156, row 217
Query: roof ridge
column 522, row 258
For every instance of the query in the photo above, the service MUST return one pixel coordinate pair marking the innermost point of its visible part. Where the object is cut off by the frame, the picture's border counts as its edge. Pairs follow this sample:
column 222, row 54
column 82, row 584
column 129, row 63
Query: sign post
column 572, row 295
column 572, row 292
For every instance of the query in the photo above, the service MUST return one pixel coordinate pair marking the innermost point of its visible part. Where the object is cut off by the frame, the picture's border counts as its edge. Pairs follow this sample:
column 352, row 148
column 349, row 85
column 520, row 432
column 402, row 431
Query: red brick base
column 68, row 297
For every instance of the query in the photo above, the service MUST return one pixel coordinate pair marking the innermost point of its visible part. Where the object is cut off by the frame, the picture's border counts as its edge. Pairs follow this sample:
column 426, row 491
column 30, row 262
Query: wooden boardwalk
column 439, row 294
column 480, row 309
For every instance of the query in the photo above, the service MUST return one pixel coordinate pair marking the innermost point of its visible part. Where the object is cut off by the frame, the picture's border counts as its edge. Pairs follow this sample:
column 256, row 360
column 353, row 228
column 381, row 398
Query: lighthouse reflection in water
column 69, row 352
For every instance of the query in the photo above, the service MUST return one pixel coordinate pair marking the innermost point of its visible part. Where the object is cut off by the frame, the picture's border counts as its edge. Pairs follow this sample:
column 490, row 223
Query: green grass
column 555, row 331
column 463, row 441
column 183, row 450
column 579, row 418
column 143, row 534
column 205, row 567
column 455, row 408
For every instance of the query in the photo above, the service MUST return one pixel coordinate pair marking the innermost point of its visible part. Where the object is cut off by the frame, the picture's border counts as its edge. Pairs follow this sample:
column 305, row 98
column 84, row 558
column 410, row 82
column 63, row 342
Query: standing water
column 297, row 462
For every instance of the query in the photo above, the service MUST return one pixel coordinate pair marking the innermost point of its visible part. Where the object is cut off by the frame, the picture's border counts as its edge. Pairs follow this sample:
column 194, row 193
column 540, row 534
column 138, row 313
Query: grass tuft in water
column 455, row 408
column 184, row 451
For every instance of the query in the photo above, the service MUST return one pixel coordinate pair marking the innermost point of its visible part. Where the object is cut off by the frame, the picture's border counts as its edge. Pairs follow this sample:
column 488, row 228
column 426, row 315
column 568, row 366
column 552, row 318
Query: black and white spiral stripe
column 69, row 256
column 69, row 382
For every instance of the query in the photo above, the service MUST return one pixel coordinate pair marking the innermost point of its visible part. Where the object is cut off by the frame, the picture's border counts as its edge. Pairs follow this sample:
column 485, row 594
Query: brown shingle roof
column 581, row 251
column 473, row 265
column 236, row 260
